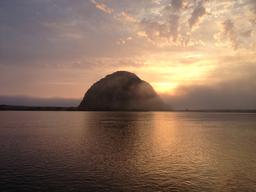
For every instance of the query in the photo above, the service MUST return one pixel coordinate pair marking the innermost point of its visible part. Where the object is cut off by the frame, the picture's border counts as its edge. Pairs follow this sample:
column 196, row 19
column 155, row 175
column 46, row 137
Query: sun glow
column 165, row 87
column 166, row 74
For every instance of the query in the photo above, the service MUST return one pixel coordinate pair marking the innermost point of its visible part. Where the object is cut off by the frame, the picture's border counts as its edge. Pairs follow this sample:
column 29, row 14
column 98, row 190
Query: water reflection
column 122, row 151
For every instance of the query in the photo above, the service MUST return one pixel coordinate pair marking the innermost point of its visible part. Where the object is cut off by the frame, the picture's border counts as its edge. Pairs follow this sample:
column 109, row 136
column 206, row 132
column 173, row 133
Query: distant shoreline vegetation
column 40, row 108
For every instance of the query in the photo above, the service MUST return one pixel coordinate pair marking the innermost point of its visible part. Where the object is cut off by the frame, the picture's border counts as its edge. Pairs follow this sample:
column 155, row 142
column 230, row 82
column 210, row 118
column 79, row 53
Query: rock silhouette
column 121, row 90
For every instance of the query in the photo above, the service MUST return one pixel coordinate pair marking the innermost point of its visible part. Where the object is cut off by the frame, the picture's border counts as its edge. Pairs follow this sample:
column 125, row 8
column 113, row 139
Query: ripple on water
column 118, row 151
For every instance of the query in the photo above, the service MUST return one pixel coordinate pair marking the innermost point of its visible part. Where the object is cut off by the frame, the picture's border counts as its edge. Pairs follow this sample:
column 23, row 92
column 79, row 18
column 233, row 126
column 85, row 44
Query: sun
column 165, row 87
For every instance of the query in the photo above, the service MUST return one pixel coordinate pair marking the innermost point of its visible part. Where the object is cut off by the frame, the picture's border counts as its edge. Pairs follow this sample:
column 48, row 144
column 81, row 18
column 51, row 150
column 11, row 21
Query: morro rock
column 121, row 91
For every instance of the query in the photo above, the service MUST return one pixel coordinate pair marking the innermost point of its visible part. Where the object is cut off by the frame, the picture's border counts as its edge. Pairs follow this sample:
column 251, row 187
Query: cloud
column 34, row 101
column 230, row 86
column 229, row 32
column 177, row 4
column 166, row 27
column 252, row 4
column 174, row 21
column 247, row 33
column 238, row 34
column 198, row 12
column 173, row 6
column 229, row 95
column 103, row 7
column 174, row 26
column 127, row 17
column 153, row 29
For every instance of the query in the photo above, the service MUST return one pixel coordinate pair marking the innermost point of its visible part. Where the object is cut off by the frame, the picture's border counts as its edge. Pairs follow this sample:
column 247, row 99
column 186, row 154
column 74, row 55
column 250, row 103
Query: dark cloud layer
column 198, row 12
column 53, row 31
column 222, row 96
column 237, row 91
column 32, row 101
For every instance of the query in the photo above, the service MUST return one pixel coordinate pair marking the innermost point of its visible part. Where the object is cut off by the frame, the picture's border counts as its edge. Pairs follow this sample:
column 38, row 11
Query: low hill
column 122, row 90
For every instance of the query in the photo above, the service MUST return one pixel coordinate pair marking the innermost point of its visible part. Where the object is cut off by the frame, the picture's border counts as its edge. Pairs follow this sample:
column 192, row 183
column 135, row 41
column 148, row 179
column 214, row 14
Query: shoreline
column 45, row 108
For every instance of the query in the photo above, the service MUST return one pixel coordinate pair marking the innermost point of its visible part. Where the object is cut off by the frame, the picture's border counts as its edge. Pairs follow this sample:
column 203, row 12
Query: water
column 133, row 151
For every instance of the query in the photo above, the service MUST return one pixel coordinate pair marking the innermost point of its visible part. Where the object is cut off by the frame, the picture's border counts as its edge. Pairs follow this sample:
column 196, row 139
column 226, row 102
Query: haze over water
column 127, row 151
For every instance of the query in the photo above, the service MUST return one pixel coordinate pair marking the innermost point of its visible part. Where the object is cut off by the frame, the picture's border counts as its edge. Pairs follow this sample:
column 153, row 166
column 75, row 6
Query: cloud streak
column 229, row 32
column 103, row 7
column 198, row 12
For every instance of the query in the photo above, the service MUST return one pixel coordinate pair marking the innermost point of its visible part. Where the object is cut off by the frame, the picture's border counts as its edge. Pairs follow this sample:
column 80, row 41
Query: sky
column 197, row 54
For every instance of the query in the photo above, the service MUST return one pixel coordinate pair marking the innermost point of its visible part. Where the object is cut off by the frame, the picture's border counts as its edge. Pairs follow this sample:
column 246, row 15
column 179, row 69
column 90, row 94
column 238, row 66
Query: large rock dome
column 121, row 90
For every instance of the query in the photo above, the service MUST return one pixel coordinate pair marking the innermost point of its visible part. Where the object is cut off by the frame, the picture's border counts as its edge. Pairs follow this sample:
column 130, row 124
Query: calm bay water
column 133, row 151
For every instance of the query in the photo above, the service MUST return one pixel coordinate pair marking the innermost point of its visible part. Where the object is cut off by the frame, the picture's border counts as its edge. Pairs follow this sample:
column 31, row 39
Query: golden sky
column 184, row 48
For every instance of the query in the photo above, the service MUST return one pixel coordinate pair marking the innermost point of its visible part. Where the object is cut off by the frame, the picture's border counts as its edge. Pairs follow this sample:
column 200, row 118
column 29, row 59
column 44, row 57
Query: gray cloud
column 229, row 32
column 32, row 101
column 177, row 4
column 170, row 24
column 54, row 31
column 157, row 31
column 167, row 25
column 229, row 95
column 252, row 4
column 247, row 33
column 174, row 26
column 198, row 12
column 237, row 37
column 235, row 91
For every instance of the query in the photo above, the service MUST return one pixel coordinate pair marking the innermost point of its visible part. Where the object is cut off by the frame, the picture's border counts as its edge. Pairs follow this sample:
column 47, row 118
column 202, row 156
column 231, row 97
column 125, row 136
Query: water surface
column 127, row 151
